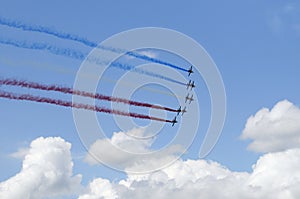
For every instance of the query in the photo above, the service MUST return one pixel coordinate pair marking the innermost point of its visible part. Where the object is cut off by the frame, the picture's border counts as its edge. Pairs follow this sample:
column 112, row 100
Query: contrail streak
column 67, row 90
column 81, row 56
column 68, row 36
column 27, row 97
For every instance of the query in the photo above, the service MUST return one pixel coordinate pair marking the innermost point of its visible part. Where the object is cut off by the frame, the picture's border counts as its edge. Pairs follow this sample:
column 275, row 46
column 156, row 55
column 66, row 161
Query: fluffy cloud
column 47, row 168
column 183, row 179
column 275, row 175
column 100, row 188
column 130, row 153
column 274, row 130
column 123, row 140
column 46, row 172
column 103, row 150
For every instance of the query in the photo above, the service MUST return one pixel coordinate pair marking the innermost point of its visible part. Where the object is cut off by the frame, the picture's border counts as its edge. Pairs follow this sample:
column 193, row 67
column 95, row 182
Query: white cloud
column 274, row 130
column 47, row 168
column 184, row 179
column 137, row 158
column 46, row 172
column 99, row 188
column 20, row 154
column 275, row 175
column 124, row 141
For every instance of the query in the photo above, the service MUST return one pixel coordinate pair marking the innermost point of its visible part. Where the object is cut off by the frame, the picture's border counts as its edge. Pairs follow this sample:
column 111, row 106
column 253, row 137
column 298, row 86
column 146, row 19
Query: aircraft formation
column 79, row 55
column 189, row 98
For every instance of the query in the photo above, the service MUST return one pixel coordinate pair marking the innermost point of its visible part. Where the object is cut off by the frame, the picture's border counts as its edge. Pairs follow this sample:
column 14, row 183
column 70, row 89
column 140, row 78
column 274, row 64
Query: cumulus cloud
column 47, row 168
column 46, row 172
column 274, row 130
column 127, row 152
column 275, row 175
column 183, row 179
column 123, row 140
column 100, row 188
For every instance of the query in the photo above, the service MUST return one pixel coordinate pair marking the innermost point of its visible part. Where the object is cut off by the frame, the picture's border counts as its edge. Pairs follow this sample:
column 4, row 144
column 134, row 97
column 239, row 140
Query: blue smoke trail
column 40, row 29
column 144, row 57
column 68, row 36
column 81, row 56
column 46, row 47
column 141, row 71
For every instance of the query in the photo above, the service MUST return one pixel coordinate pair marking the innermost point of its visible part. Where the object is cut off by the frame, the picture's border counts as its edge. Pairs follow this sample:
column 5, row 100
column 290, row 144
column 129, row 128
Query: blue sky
column 255, row 45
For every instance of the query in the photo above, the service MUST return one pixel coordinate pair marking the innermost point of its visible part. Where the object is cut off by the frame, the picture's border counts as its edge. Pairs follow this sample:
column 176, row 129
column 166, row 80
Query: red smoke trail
column 27, row 97
column 67, row 90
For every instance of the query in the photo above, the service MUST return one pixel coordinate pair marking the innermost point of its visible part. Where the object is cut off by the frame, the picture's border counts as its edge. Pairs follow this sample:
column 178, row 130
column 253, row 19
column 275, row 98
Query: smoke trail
column 67, row 90
column 154, row 60
column 27, row 97
column 145, row 72
column 68, row 36
column 39, row 65
column 46, row 30
column 46, row 47
column 81, row 56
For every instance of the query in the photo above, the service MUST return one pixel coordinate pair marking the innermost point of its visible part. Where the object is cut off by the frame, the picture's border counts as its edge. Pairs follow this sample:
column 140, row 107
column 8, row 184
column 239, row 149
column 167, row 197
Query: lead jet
column 188, row 98
column 190, row 70
column 174, row 121
column 182, row 111
column 190, row 84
